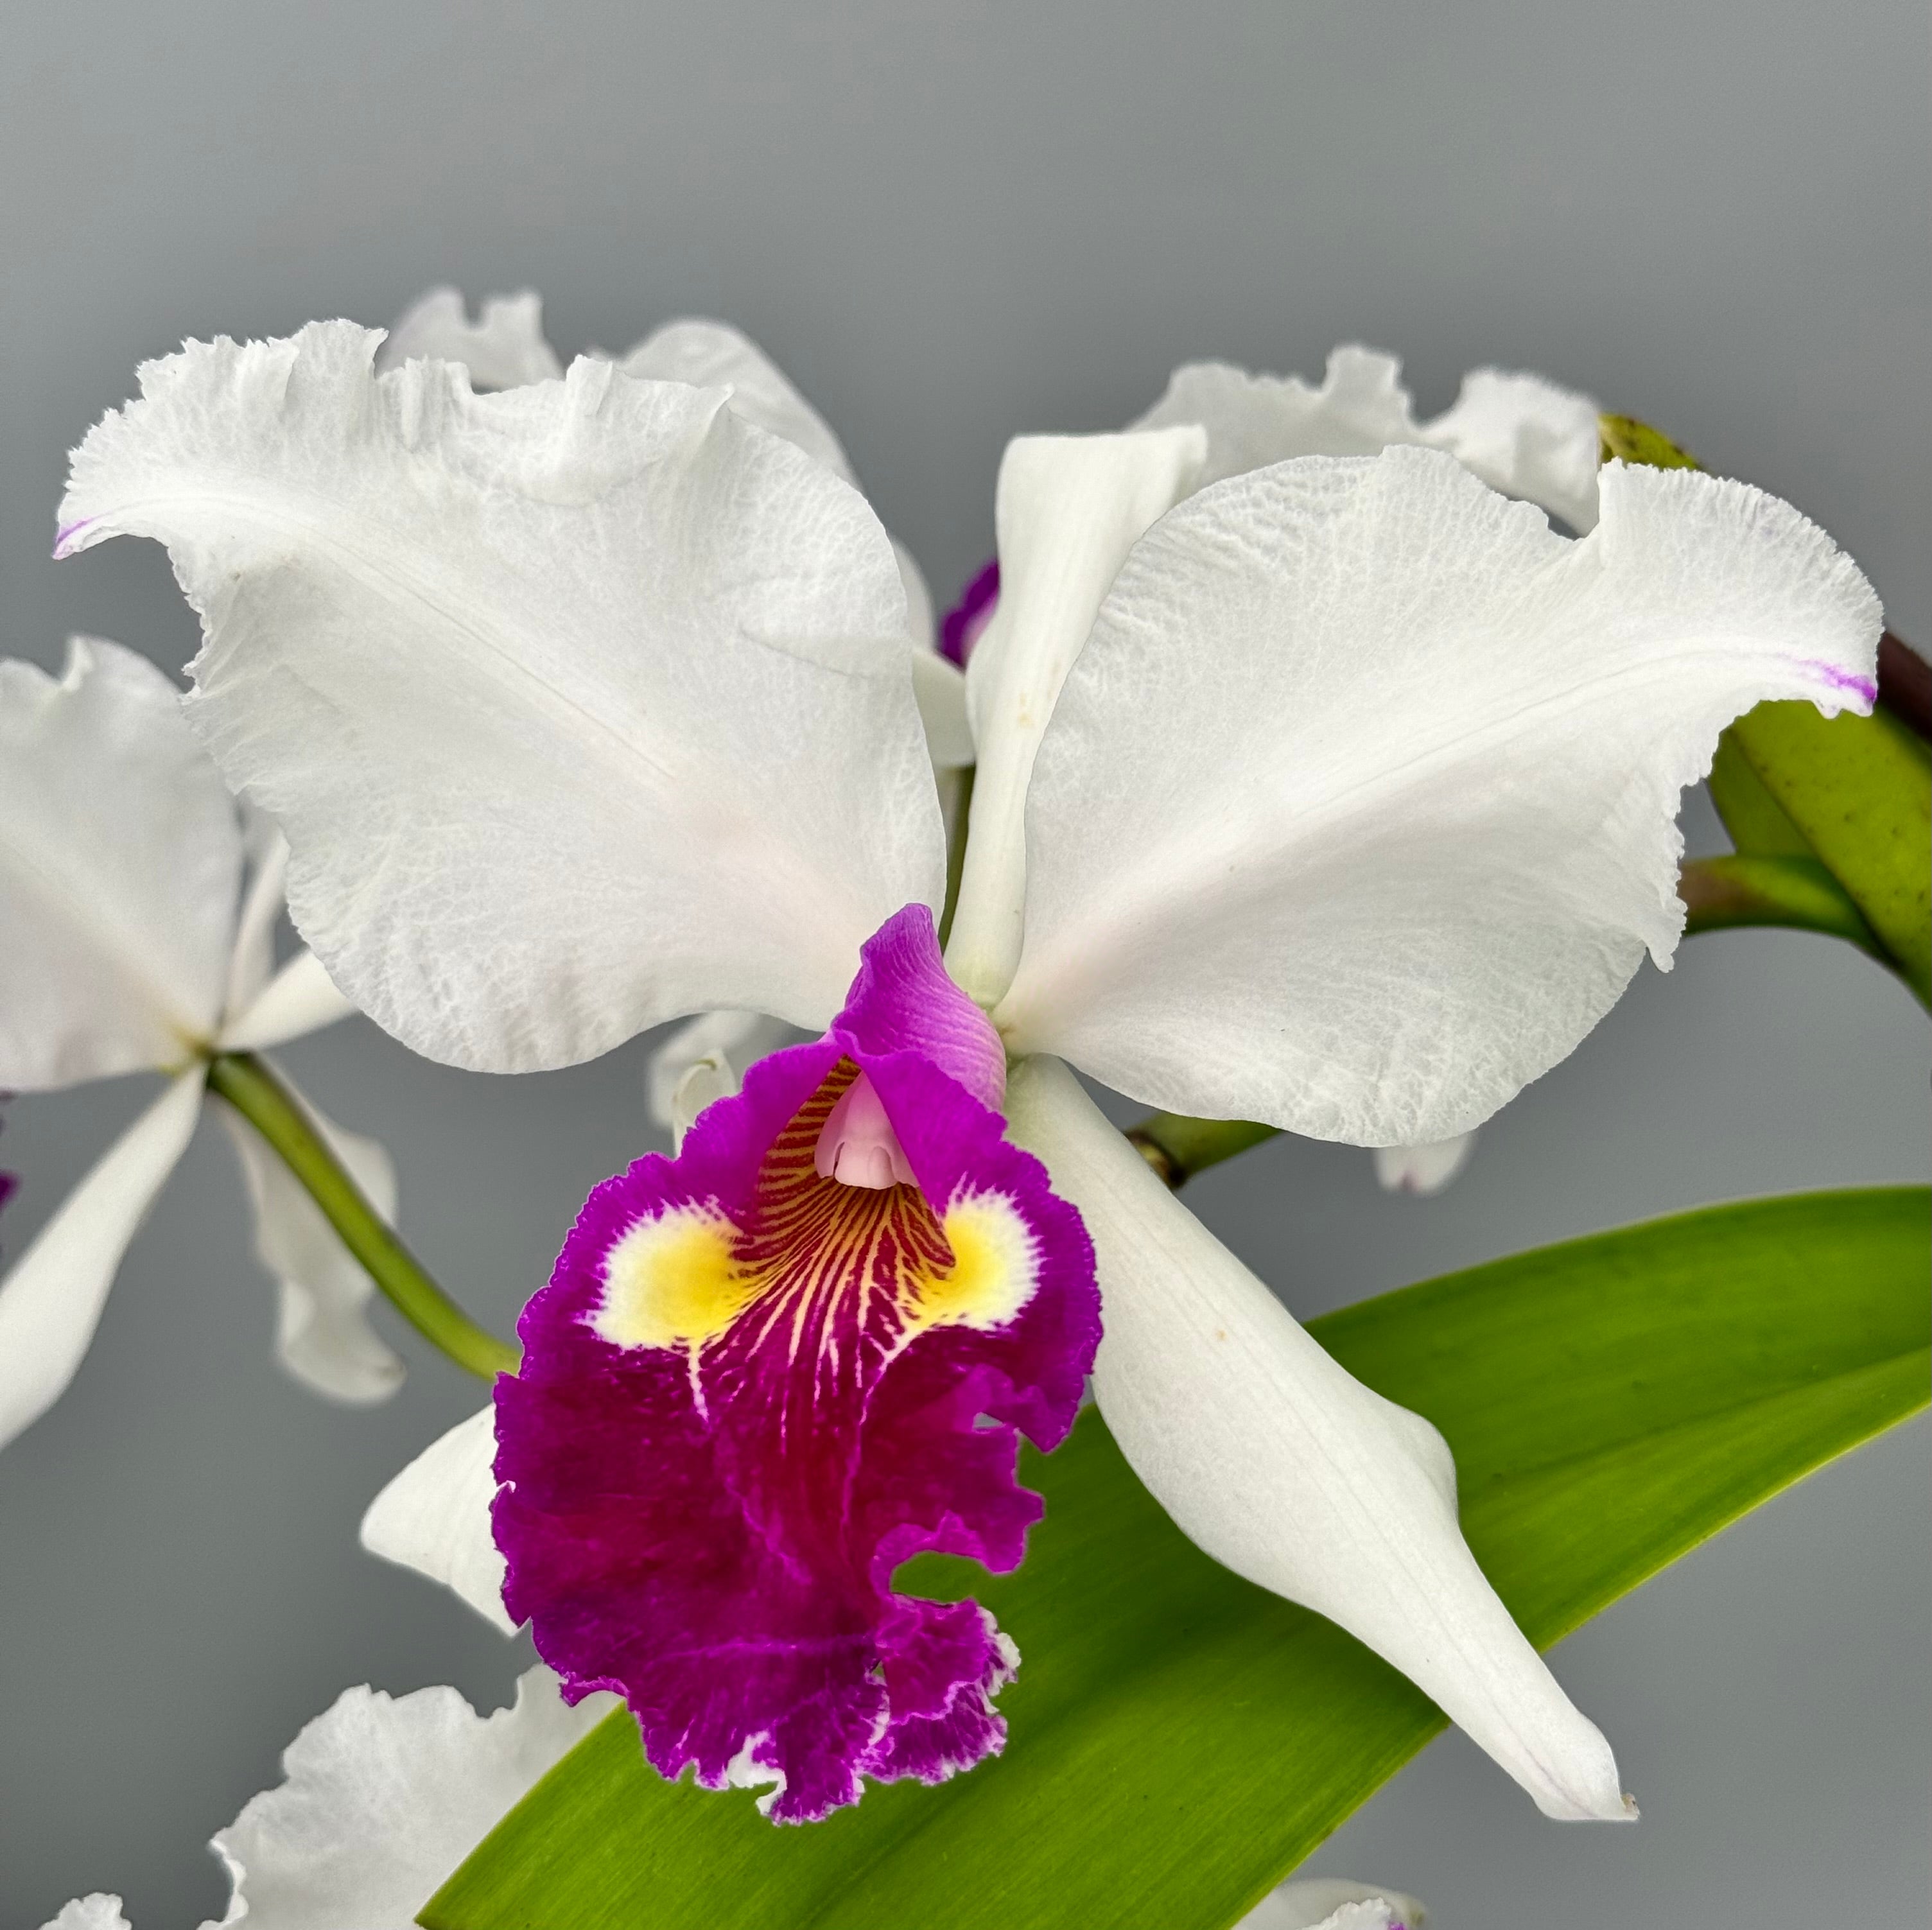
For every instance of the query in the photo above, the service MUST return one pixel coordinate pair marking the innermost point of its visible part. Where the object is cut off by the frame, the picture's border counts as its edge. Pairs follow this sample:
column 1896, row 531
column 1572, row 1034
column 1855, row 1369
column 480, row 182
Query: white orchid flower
column 382, row 1799
column 1339, row 794
column 132, row 946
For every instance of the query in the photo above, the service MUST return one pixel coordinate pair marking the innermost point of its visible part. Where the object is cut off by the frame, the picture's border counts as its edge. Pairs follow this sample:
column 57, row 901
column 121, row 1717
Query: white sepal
column 1425, row 1169
column 581, row 705
column 434, row 1517
column 120, row 865
column 1068, row 510
column 383, row 1798
column 1279, row 1463
column 322, row 1333
column 1330, row 1903
column 50, row 1300
column 300, row 998
column 1358, row 810
column 504, row 348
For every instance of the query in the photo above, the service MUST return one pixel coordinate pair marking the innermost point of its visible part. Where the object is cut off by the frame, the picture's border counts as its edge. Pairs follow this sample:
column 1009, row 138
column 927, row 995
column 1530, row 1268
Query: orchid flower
column 132, row 946
column 1338, row 795
column 383, row 1798
column 1329, row 1903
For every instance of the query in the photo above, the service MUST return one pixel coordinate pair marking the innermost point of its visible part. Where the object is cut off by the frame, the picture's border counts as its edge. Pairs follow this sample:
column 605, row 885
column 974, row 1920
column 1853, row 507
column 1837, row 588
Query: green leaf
column 1859, row 790
column 1180, row 1740
column 1798, row 892
column 1755, row 820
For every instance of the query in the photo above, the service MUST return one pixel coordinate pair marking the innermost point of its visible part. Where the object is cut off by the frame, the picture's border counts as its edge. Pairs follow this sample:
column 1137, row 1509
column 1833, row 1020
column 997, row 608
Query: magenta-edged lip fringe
column 751, row 1390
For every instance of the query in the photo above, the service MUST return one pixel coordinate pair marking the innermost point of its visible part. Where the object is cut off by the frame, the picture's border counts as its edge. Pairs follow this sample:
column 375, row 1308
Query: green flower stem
column 248, row 1085
column 1720, row 892
column 1798, row 892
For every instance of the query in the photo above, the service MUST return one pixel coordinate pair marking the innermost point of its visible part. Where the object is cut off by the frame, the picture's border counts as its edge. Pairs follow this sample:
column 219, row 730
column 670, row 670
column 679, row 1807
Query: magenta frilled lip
column 962, row 627
column 751, row 1389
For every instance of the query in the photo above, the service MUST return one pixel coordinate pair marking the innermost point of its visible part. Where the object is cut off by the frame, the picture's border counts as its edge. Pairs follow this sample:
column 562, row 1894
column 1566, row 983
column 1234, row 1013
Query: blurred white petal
column 120, row 867
column 1279, row 1464
column 1328, row 1903
column 300, row 998
column 1521, row 434
column 434, row 1517
column 1425, row 1169
column 505, row 348
column 323, row 1335
column 1069, row 509
column 251, row 959
column 741, row 1037
column 1359, row 809
column 98, row 1912
column 922, row 626
column 939, row 687
column 581, row 705
column 384, row 1797
column 50, row 1301
column 1526, row 437
column 714, row 355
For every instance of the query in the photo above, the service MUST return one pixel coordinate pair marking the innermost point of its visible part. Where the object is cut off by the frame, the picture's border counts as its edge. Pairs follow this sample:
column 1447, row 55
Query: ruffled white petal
column 50, row 1302
column 385, row 1797
column 434, row 1517
column 1425, row 1169
column 714, row 355
column 1279, row 1464
column 581, row 705
column 300, row 998
column 921, row 624
column 98, row 1912
column 1329, row 1903
column 505, row 348
column 322, row 1333
column 1068, row 510
column 1358, row 810
column 120, row 864
column 1521, row 434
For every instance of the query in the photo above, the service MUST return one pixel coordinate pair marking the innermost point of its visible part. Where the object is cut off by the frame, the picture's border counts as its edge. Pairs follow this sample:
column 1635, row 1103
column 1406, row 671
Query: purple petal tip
column 962, row 625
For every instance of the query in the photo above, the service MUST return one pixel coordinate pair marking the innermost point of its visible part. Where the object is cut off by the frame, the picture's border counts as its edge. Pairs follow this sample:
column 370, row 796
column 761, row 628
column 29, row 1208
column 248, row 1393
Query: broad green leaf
column 1180, row 1740
column 1798, row 892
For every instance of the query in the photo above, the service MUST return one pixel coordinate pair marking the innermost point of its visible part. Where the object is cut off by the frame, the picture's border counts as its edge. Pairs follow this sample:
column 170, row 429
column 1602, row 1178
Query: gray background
column 950, row 222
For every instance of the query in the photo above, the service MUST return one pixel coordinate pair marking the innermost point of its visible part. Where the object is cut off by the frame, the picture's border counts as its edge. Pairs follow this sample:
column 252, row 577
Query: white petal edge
column 939, row 689
column 1331, row 1903
column 503, row 348
column 98, row 1912
column 1067, row 510
column 434, row 1517
column 1391, row 774
column 120, row 867
column 1279, row 1464
column 322, row 1333
column 1521, row 434
column 581, row 705
column 1423, row 1169
column 384, row 1797
column 714, row 355
column 51, row 1299
column 300, row 998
